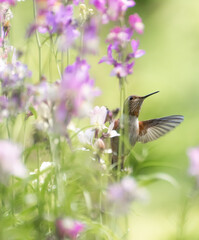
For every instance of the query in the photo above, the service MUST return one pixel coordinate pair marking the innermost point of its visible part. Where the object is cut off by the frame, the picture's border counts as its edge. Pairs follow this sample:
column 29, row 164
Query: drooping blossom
column 68, row 228
column 112, row 10
column 193, row 154
column 120, row 195
column 136, row 23
column 10, row 161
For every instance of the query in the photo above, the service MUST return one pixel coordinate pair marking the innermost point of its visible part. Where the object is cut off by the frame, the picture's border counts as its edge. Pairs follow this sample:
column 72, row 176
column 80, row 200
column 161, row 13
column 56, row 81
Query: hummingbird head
column 132, row 104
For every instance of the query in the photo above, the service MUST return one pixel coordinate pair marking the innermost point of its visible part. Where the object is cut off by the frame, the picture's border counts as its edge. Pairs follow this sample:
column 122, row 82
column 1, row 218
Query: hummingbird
column 132, row 130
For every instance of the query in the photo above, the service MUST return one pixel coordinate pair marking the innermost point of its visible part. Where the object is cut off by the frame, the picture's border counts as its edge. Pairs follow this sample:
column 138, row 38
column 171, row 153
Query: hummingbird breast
column 133, row 129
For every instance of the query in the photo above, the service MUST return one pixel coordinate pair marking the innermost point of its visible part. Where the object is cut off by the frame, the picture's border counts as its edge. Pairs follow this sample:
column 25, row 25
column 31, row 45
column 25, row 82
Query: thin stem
column 62, row 62
column 68, row 56
column 38, row 41
column 121, row 131
column 7, row 127
column 55, row 56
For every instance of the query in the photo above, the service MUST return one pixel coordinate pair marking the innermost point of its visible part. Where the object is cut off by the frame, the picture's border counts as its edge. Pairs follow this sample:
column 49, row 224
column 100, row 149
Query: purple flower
column 11, row 2
column 90, row 37
column 112, row 10
column 137, row 53
column 121, row 69
column 76, row 93
column 10, row 161
column 68, row 228
column 119, row 36
column 193, row 154
column 136, row 23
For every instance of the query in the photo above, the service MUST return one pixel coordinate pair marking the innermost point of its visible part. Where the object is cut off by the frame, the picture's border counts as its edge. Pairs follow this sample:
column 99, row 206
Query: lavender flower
column 76, row 92
column 193, row 154
column 90, row 37
column 54, row 17
column 10, row 161
column 68, row 228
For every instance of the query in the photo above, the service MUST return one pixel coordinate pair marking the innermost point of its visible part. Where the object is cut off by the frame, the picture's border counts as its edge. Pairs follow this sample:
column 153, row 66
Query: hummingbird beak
column 146, row 96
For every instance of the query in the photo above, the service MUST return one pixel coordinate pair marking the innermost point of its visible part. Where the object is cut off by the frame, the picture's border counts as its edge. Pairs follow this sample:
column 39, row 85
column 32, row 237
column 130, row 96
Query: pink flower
column 112, row 10
column 68, row 228
column 10, row 161
column 11, row 2
column 136, row 24
column 193, row 154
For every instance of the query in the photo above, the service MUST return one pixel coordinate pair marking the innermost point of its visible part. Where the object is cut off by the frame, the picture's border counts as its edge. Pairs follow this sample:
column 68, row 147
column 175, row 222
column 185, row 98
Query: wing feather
column 153, row 129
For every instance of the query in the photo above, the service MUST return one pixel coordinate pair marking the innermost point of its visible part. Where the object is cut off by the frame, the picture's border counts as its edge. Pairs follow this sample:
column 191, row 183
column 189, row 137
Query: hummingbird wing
column 153, row 129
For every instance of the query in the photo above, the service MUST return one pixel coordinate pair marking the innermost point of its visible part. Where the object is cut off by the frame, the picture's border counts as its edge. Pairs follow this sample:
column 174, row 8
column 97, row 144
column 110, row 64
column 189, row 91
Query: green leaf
column 145, row 180
column 33, row 111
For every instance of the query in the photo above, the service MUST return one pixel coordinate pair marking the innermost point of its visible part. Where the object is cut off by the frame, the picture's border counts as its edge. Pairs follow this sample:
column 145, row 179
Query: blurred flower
column 76, row 92
column 120, row 195
column 136, row 23
column 98, row 116
column 4, row 113
column 90, row 36
column 112, row 10
column 86, row 137
column 12, row 75
column 68, row 228
column 11, row 2
column 193, row 154
column 119, row 37
column 55, row 17
column 10, row 161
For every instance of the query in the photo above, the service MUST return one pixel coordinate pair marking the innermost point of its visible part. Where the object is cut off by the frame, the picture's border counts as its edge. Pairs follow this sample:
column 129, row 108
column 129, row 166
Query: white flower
column 98, row 116
column 111, row 132
column 86, row 137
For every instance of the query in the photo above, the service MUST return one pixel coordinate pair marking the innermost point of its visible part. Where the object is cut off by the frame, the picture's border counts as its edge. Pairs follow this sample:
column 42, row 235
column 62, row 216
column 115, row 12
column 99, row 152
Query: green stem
column 38, row 175
column 55, row 56
column 68, row 56
column 121, row 131
column 38, row 41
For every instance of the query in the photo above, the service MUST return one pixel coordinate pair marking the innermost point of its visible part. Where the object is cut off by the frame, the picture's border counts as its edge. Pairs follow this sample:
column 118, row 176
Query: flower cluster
column 118, row 39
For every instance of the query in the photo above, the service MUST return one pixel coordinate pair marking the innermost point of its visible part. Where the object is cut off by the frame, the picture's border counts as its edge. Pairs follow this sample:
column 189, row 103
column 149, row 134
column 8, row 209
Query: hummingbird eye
column 131, row 98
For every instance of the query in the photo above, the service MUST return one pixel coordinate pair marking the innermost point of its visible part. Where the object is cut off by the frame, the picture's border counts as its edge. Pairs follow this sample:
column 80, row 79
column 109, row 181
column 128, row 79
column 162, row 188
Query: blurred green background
column 171, row 65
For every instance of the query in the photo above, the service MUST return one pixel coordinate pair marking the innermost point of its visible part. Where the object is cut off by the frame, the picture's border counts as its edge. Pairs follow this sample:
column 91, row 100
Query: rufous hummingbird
column 132, row 130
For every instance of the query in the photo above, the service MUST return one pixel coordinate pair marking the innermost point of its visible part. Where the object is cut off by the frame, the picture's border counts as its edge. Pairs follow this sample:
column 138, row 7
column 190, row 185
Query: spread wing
column 153, row 129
